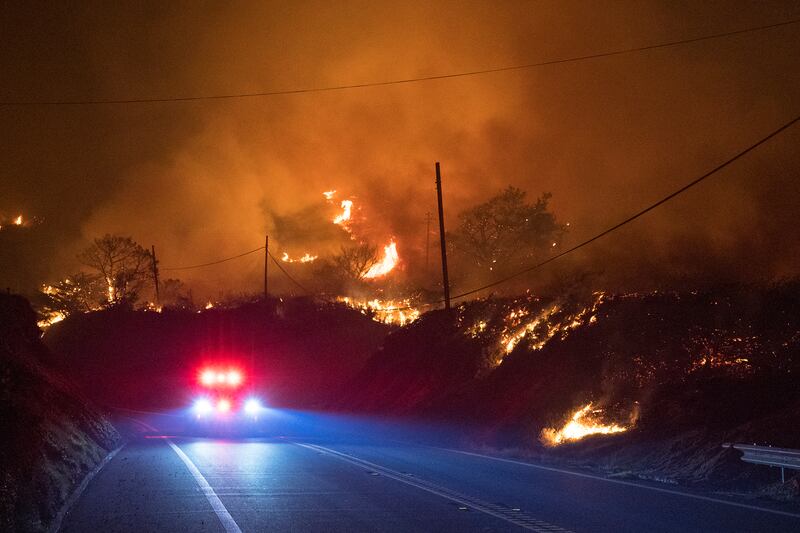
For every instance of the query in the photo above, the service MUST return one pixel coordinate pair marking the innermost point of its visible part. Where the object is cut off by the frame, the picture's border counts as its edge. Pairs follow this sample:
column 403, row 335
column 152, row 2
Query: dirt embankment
column 295, row 352
column 681, row 373
column 51, row 436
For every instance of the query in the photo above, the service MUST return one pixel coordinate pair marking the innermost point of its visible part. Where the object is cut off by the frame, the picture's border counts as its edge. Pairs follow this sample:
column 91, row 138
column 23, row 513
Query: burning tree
column 506, row 231
column 79, row 293
column 122, row 263
column 354, row 263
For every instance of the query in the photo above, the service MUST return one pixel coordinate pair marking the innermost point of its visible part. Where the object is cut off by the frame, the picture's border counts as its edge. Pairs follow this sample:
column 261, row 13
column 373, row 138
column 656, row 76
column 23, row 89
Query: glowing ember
column 583, row 422
column 307, row 258
column 385, row 265
column 398, row 312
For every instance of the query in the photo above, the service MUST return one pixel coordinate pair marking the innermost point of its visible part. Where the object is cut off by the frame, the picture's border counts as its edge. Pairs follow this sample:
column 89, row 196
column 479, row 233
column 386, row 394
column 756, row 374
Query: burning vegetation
column 393, row 312
column 586, row 421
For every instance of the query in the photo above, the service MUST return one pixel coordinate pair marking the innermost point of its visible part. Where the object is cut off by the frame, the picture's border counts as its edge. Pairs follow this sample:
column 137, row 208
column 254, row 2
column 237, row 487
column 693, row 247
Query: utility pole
column 266, row 267
column 155, row 272
column 427, row 240
column 445, row 279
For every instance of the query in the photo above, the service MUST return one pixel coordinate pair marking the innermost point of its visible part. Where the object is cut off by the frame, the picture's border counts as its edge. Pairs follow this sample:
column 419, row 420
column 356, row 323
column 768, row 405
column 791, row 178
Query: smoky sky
column 208, row 179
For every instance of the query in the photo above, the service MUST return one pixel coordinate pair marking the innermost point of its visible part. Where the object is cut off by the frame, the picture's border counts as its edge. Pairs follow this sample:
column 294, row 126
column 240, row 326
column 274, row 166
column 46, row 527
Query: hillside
column 670, row 375
column 52, row 436
column 296, row 351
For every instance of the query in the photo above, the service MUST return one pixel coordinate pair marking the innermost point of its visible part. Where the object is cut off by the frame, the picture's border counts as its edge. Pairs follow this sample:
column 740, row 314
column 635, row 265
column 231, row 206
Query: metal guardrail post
column 782, row 458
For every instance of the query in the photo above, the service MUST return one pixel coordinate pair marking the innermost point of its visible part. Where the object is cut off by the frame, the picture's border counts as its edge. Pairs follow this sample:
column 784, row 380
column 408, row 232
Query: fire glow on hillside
column 399, row 312
column 584, row 422
column 531, row 319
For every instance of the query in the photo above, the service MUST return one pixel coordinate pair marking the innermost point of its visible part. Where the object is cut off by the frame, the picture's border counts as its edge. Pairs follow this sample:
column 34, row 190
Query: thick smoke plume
column 208, row 179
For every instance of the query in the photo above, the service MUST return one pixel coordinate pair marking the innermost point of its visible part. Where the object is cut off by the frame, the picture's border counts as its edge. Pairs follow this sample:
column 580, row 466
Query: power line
column 402, row 80
column 214, row 262
column 637, row 215
column 280, row 267
column 588, row 241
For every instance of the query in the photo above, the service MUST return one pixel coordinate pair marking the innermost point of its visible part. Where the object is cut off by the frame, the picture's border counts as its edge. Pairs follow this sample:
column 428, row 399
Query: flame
column 209, row 305
column 341, row 220
column 545, row 326
column 52, row 318
column 385, row 265
column 398, row 312
column 307, row 258
column 18, row 220
column 583, row 422
column 151, row 306
column 329, row 194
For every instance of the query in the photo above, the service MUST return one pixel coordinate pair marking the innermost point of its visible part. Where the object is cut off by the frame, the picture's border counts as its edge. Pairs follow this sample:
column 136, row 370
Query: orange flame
column 385, row 265
column 306, row 258
column 583, row 422
column 18, row 220
column 347, row 206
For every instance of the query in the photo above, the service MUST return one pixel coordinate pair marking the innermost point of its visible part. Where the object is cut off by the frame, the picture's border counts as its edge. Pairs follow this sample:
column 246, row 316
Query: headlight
column 252, row 407
column 202, row 407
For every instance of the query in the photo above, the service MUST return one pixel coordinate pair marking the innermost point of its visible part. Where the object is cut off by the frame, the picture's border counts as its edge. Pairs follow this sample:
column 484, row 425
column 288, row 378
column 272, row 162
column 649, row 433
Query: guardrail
column 767, row 455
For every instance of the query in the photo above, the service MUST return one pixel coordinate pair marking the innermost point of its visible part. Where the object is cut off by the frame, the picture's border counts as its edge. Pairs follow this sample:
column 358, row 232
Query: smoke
column 205, row 180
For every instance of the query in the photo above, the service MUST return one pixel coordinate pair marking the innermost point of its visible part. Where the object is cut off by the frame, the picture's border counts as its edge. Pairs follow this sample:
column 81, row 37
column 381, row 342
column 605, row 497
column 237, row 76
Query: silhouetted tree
column 353, row 262
column 175, row 294
column 506, row 231
column 122, row 263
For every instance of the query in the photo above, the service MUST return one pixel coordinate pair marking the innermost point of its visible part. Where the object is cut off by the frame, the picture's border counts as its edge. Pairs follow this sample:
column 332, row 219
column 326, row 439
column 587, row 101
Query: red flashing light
column 211, row 377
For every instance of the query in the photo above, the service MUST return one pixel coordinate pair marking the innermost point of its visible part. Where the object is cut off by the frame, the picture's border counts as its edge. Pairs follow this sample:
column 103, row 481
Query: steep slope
column 52, row 436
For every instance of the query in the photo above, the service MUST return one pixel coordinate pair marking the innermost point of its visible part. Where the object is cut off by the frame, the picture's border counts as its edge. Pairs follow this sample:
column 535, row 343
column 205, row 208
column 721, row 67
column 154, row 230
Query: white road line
column 222, row 513
column 627, row 483
column 517, row 517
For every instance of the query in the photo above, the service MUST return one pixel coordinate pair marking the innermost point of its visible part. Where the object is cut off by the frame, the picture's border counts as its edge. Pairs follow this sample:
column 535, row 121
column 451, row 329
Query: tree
column 122, row 263
column 506, row 231
column 347, row 268
column 79, row 293
column 354, row 262
column 174, row 294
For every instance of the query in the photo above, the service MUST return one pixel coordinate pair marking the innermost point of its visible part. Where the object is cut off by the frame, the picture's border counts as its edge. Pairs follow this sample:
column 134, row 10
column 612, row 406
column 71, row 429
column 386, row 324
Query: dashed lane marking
column 222, row 513
column 511, row 515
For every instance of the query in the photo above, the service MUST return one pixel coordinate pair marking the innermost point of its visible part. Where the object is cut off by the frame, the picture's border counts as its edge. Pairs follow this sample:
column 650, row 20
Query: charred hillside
column 52, row 436
column 670, row 376
column 297, row 351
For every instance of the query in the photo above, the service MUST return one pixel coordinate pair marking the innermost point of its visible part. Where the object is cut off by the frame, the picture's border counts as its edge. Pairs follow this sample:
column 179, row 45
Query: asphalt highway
column 305, row 482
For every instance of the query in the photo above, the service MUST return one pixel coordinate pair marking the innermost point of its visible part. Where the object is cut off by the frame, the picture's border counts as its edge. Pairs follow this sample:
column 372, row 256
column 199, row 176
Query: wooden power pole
column 445, row 279
column 427, row 240
column 155, row 272
column 266, row 267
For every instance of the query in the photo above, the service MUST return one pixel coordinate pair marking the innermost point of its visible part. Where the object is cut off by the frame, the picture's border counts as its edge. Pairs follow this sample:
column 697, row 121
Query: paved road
column 301, row 483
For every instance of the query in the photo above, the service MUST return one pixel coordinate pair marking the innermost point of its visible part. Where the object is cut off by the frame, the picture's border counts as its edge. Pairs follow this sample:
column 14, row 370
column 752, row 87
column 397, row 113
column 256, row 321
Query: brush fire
column 305, row 258
column 588, row 420
column 386, row 264
column 531, row 319
column 398, row 312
